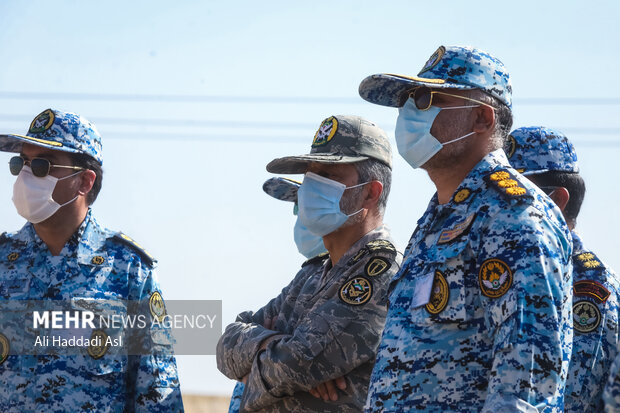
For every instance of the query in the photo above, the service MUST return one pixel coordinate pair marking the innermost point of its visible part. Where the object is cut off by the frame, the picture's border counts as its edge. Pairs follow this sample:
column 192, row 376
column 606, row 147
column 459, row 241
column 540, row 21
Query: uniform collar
column 92, row 238
column 381, row 232
column 577, row 242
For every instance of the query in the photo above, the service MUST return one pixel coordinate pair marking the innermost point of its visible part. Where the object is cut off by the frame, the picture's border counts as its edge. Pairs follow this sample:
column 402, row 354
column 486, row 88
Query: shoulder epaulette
column 317, row 258
column 127, row 240
column 587, row 260
column 3, row 238
column 380, row 245
column 507, row 184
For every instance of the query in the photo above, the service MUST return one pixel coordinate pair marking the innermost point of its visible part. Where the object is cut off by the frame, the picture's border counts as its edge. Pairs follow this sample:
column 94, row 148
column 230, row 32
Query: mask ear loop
column 355, row 186
column 66, row 177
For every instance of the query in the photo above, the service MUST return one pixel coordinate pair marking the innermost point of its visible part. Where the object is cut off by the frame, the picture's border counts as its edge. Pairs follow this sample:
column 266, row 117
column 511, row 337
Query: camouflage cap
column 60, row 131
column 451, row 67
column 281, row 188
column 340, row 139
column 536, row 149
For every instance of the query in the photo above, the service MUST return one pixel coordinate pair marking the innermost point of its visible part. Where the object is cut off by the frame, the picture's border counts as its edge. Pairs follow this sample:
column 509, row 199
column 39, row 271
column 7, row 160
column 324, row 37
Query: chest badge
column 459, row 229
column 356, row 291
column 97, row 260
column 377, row 266
column 12, row 256
column 495, row 278
column 157, row 307
column 98, row 344
column 440, row 293
column 586, row 316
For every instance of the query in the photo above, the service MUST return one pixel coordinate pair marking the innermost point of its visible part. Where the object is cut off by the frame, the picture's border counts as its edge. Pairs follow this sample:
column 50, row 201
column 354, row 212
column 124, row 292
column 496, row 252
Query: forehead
column 33, row 151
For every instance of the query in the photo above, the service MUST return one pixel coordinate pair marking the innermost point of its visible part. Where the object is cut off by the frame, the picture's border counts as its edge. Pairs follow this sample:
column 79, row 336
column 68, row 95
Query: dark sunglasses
column 423, row 97
column 40, row 167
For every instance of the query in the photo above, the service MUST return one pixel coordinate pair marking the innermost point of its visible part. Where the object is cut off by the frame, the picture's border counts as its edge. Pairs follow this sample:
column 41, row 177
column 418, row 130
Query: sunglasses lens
column 40, row 167
column 422, row 98
column 15, row 165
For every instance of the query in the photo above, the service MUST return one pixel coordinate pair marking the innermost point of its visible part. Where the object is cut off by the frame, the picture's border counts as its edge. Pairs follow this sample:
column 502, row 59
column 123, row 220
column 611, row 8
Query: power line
column 177, row 98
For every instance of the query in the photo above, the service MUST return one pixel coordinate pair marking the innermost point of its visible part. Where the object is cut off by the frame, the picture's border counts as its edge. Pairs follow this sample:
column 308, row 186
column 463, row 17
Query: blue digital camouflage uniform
column 331, row 319
column 611, row 394
column 477, row 319
column 535, row 150
column 95, row 263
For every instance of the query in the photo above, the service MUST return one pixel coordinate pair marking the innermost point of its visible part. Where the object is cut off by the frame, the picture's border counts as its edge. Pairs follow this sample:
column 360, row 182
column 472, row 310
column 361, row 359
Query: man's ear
column 87, row 180
column 484, row 119
column 374, row 191
column 560, row 196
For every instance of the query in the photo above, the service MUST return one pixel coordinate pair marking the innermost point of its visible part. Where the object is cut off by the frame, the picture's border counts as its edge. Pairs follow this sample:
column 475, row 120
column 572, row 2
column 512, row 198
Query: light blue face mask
column 319, row 204
column 308, row 244
column 413, row 133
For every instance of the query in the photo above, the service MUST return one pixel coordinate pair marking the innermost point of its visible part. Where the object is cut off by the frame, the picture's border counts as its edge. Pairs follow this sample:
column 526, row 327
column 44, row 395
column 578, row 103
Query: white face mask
column 413, row 133
column 32, row 196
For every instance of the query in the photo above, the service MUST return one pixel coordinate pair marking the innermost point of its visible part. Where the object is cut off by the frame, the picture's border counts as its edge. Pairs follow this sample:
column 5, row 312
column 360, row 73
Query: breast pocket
column 442, row 277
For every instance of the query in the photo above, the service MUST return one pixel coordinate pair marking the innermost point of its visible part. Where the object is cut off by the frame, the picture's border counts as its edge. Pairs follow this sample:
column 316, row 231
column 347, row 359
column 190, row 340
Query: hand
column 244, row 379
column 268, row 340
column 327, row 390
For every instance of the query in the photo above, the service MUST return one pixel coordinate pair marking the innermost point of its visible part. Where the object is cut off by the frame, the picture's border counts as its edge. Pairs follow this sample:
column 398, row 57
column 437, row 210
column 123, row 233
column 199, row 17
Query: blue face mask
column 308, row 244
column 319, row 204
column 413, row 133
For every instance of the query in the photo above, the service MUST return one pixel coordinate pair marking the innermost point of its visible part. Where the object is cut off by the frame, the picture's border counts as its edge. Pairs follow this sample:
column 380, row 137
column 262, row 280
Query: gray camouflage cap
column 536, row 149
column 60, row 131
column 340, row 139
column 452, row 67
column 282, row 188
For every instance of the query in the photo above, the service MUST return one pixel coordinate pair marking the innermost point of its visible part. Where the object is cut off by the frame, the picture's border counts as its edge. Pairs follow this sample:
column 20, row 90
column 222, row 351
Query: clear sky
column 194, row 98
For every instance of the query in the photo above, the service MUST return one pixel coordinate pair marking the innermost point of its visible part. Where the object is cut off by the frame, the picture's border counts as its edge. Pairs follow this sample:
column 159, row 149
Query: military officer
column 477, row 320
column 548, row 159
column 308, row 244
column 312, row 347
column 62, row 253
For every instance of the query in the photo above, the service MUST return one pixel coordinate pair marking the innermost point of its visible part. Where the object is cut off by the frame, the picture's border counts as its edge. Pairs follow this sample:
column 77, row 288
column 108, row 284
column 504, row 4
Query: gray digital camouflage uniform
column 331, row 321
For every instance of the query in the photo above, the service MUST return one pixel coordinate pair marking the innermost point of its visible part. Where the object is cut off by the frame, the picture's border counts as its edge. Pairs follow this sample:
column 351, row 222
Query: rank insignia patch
column 586, row 316
column 326, row 132
column 507, row 184
column 377, row 266
column 587, row 261
column 440, row 293
column 462, row 195
column 12, row 256
column 42, row 122
column 97, row 260
column 98, row 344
column 380, row 245
column 358, row 255
column 5, row 348
column 356, row 291
column 592, row 289
column 433, row 60
column 157, row 307
column 495, row 278
column 459, row 229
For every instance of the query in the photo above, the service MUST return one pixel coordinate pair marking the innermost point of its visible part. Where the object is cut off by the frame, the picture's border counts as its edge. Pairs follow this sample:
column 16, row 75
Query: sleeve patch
column 377, row 266
column 592, row 289
column 586, row 316
column 356, row 291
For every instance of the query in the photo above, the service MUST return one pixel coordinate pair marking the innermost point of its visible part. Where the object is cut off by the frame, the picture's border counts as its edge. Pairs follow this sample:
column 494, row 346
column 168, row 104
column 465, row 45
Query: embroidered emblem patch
column 462, row 195
column 42, row 122
column 5, row 348
column 506, row 183
column 586, row 316
column 433, row 60
column 587, row 261
column 12, row 256
column 440, row 294
column 459, row 229
column 356, row 291
column 157, row 307
column 510, row 146
column 98, row 344
column 592, row 289
column 359, row 255
column 495, row 278
column 97, row 260
column 326, row 132
column 377, row 266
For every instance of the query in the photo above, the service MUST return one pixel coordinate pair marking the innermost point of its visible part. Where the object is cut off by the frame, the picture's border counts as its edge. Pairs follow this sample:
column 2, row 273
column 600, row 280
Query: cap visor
column 14, row 143
column 391, row 90
column 282, row 188
column 299, row 164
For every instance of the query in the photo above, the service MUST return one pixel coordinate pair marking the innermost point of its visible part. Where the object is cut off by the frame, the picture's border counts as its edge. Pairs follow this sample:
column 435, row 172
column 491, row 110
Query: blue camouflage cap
column 281, row 188
column 60, row 131
column 536, row 149
column 453, row 67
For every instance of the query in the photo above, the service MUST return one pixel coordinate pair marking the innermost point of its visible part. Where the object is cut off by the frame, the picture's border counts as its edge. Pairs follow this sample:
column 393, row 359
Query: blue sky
column 194, row 98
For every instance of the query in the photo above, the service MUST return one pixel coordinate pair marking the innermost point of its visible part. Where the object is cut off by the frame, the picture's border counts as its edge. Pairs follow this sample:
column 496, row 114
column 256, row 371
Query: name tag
column 422, row 290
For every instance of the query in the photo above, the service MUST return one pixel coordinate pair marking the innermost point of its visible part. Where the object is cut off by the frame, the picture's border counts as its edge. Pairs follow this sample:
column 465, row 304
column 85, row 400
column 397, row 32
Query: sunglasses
column 40, row 167
column 423, row 98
